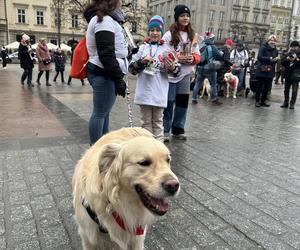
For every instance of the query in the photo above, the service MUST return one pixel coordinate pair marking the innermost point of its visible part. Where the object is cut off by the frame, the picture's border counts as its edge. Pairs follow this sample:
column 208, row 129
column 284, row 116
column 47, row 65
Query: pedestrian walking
column 4, row 56
column 108, row 51
column 72, row 53
column 59, row 60
column 25, row 55
column 44, row 58
column 152, row 64
column 265, row 72
column 292, row 74
column 239, row 57
column 279, row 69
column 207, row 68
column 182, row 40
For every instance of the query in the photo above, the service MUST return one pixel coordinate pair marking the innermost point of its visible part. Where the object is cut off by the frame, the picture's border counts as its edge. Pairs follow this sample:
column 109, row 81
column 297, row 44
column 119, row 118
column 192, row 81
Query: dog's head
column 228, row 76
column 139, row 169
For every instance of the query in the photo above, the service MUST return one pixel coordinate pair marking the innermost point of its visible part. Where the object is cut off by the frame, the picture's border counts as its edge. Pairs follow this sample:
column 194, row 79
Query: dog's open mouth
column 157, row 206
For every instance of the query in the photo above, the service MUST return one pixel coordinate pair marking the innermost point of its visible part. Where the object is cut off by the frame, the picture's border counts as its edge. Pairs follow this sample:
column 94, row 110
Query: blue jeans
column 240, row 76
column 212, row 78
column 103, row 100
column 178, row 95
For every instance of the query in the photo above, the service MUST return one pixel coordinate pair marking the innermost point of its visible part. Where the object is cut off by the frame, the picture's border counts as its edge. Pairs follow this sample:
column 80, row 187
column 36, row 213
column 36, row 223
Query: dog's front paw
column 234, row 96
column 227, row 96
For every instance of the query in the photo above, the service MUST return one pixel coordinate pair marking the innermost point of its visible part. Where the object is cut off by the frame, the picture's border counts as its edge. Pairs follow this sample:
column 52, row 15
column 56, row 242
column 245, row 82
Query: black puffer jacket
column 24, row 56
column 264, row 58
column 291, row 69
column 59, row 61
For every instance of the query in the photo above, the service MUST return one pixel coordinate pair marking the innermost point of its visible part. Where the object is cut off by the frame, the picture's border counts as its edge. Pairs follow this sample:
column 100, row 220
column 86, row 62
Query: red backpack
column 80, row 60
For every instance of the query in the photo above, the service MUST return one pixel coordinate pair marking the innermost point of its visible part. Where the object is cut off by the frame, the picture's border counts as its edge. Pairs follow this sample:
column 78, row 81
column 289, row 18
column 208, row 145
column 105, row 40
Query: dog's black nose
column 171, row 186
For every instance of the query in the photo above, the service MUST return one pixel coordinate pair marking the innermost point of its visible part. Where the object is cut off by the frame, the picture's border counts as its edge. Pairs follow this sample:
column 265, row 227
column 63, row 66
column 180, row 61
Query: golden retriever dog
column 121, row 185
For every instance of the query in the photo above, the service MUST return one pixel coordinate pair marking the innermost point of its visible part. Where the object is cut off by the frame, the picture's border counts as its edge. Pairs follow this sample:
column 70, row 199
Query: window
column 210, row 29
column 245, row 17
column 257, row 3
column 211, row 15
column 266, row 6
column 275, row 2
column 219, row 34
column 264, row 19
column 246, row 3
column 255, row 18
column 39, row 17
column 21, row 15
column 223, row 2
column 74, row 21
column 212, row 1
column 235, row 16
column 273, row 19
column 221, row 17
column 237, row 2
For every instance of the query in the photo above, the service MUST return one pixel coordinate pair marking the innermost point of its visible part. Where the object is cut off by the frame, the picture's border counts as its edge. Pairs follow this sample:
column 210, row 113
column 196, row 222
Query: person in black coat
column 292, row 74
column 4, row 56
column 25, row 55
column 265, row 72
column 59, row 60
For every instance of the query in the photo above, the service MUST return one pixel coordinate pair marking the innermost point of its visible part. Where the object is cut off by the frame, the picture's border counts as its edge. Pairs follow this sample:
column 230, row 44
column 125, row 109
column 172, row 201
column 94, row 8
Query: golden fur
column 105, row 178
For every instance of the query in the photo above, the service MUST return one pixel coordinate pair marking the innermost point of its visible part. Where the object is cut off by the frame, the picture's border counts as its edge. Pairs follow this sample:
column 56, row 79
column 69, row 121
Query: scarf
column 118, row 15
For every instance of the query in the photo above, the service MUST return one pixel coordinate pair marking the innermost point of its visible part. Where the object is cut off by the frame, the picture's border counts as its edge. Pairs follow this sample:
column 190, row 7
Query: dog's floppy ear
column 108, row 155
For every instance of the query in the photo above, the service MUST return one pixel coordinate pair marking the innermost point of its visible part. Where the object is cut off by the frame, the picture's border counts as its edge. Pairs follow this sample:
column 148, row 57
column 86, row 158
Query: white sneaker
column 4, row 68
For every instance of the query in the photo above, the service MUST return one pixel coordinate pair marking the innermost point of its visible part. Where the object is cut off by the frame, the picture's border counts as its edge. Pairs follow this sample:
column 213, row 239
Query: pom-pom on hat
column 209, row 35
column 156, row 22
column 181, row 9
column 229, row 42
column 25, row 37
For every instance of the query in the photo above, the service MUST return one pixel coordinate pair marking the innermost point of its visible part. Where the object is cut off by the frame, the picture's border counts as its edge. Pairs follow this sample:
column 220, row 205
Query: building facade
column 3, row 23
column 280, row 21
column 295, row 22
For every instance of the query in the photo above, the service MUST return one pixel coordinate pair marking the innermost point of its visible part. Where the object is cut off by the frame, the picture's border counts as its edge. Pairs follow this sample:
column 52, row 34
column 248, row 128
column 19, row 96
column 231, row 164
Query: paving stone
column 65, row 204
column 18, row 198
column 28, row 245
column 40, row 189
column 2, row 243
column 56, row 181
column 237, row 240
column 52, row 171
column 16, row 185
column 62, row 191
column 36, row 178
column 20, row 213
column 48, row 218
column 23, row 231
column 15, row 175
column 1, row 208
column 218, row 207
column 211, row 221
column 43, row 202
column 2, row 226
column 55, row 237
column 270, row 224
column 241, row 223
column 292, row 238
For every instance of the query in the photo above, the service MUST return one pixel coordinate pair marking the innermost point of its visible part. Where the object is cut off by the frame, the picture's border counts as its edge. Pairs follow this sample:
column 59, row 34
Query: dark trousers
column 287, row 85
column 277, row 76
column 4, row 62
column 27, row 74
column 61, row 74
column 41, row 73
column 70, row 79
column 263, row 87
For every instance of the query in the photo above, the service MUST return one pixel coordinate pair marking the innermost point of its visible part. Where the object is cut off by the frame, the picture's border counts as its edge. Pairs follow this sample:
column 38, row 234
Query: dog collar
column 138, row 230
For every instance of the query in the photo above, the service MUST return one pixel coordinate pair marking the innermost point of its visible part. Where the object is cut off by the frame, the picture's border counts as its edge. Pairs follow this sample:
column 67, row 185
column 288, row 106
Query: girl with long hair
column 182, row 39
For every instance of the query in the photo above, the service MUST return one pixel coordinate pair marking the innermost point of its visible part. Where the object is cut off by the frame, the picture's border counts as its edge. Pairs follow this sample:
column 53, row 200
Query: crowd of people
column 165, row 64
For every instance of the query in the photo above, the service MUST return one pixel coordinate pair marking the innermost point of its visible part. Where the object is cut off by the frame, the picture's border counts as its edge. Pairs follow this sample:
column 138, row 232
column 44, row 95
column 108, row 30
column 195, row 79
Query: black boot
column 284, row 105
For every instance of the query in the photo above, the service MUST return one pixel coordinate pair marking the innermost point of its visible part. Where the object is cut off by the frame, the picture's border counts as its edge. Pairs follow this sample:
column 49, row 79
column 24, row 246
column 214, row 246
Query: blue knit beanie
column 156, row 22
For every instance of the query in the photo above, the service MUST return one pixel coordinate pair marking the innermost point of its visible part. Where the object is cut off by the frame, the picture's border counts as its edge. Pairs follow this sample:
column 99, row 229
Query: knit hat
column 156, row 22
column 25, row 37
column 209, row 35
column 229, row 42
column 295, row 44
column 181, row 9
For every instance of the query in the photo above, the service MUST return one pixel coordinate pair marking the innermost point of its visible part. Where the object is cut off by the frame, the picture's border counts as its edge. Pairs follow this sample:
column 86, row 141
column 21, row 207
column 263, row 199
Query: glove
column 120, row 87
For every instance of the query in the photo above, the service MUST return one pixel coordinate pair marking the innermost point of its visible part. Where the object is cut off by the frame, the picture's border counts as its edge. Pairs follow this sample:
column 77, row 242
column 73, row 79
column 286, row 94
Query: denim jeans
column 27, row 74
column 103, row 100
column 212, row 78
column 178, row 95
column 240, row 75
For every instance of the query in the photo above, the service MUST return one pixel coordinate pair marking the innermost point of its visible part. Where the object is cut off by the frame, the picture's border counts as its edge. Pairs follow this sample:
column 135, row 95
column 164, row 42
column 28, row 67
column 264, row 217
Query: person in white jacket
column 152, row 63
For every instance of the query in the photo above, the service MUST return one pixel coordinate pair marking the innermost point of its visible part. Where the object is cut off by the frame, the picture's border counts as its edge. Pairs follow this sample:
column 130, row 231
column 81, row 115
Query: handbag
column 266, row 68
column 46, row 61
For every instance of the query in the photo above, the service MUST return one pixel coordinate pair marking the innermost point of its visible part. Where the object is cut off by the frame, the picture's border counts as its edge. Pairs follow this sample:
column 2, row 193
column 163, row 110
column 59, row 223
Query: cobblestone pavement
column 239, row 170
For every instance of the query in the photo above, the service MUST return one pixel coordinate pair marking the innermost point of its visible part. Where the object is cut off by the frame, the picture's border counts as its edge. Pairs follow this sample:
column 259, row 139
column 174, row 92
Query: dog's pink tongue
column 162, row 204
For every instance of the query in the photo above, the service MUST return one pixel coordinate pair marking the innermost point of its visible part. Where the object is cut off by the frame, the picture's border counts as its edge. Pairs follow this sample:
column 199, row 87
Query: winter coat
column 291, row 68
column 4, row 54
column 59, row 61
column 26, row 61
column 42, row 53
column 264, row 58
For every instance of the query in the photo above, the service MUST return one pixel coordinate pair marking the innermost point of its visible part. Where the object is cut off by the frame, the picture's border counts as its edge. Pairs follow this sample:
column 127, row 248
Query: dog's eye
column 145, row 163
